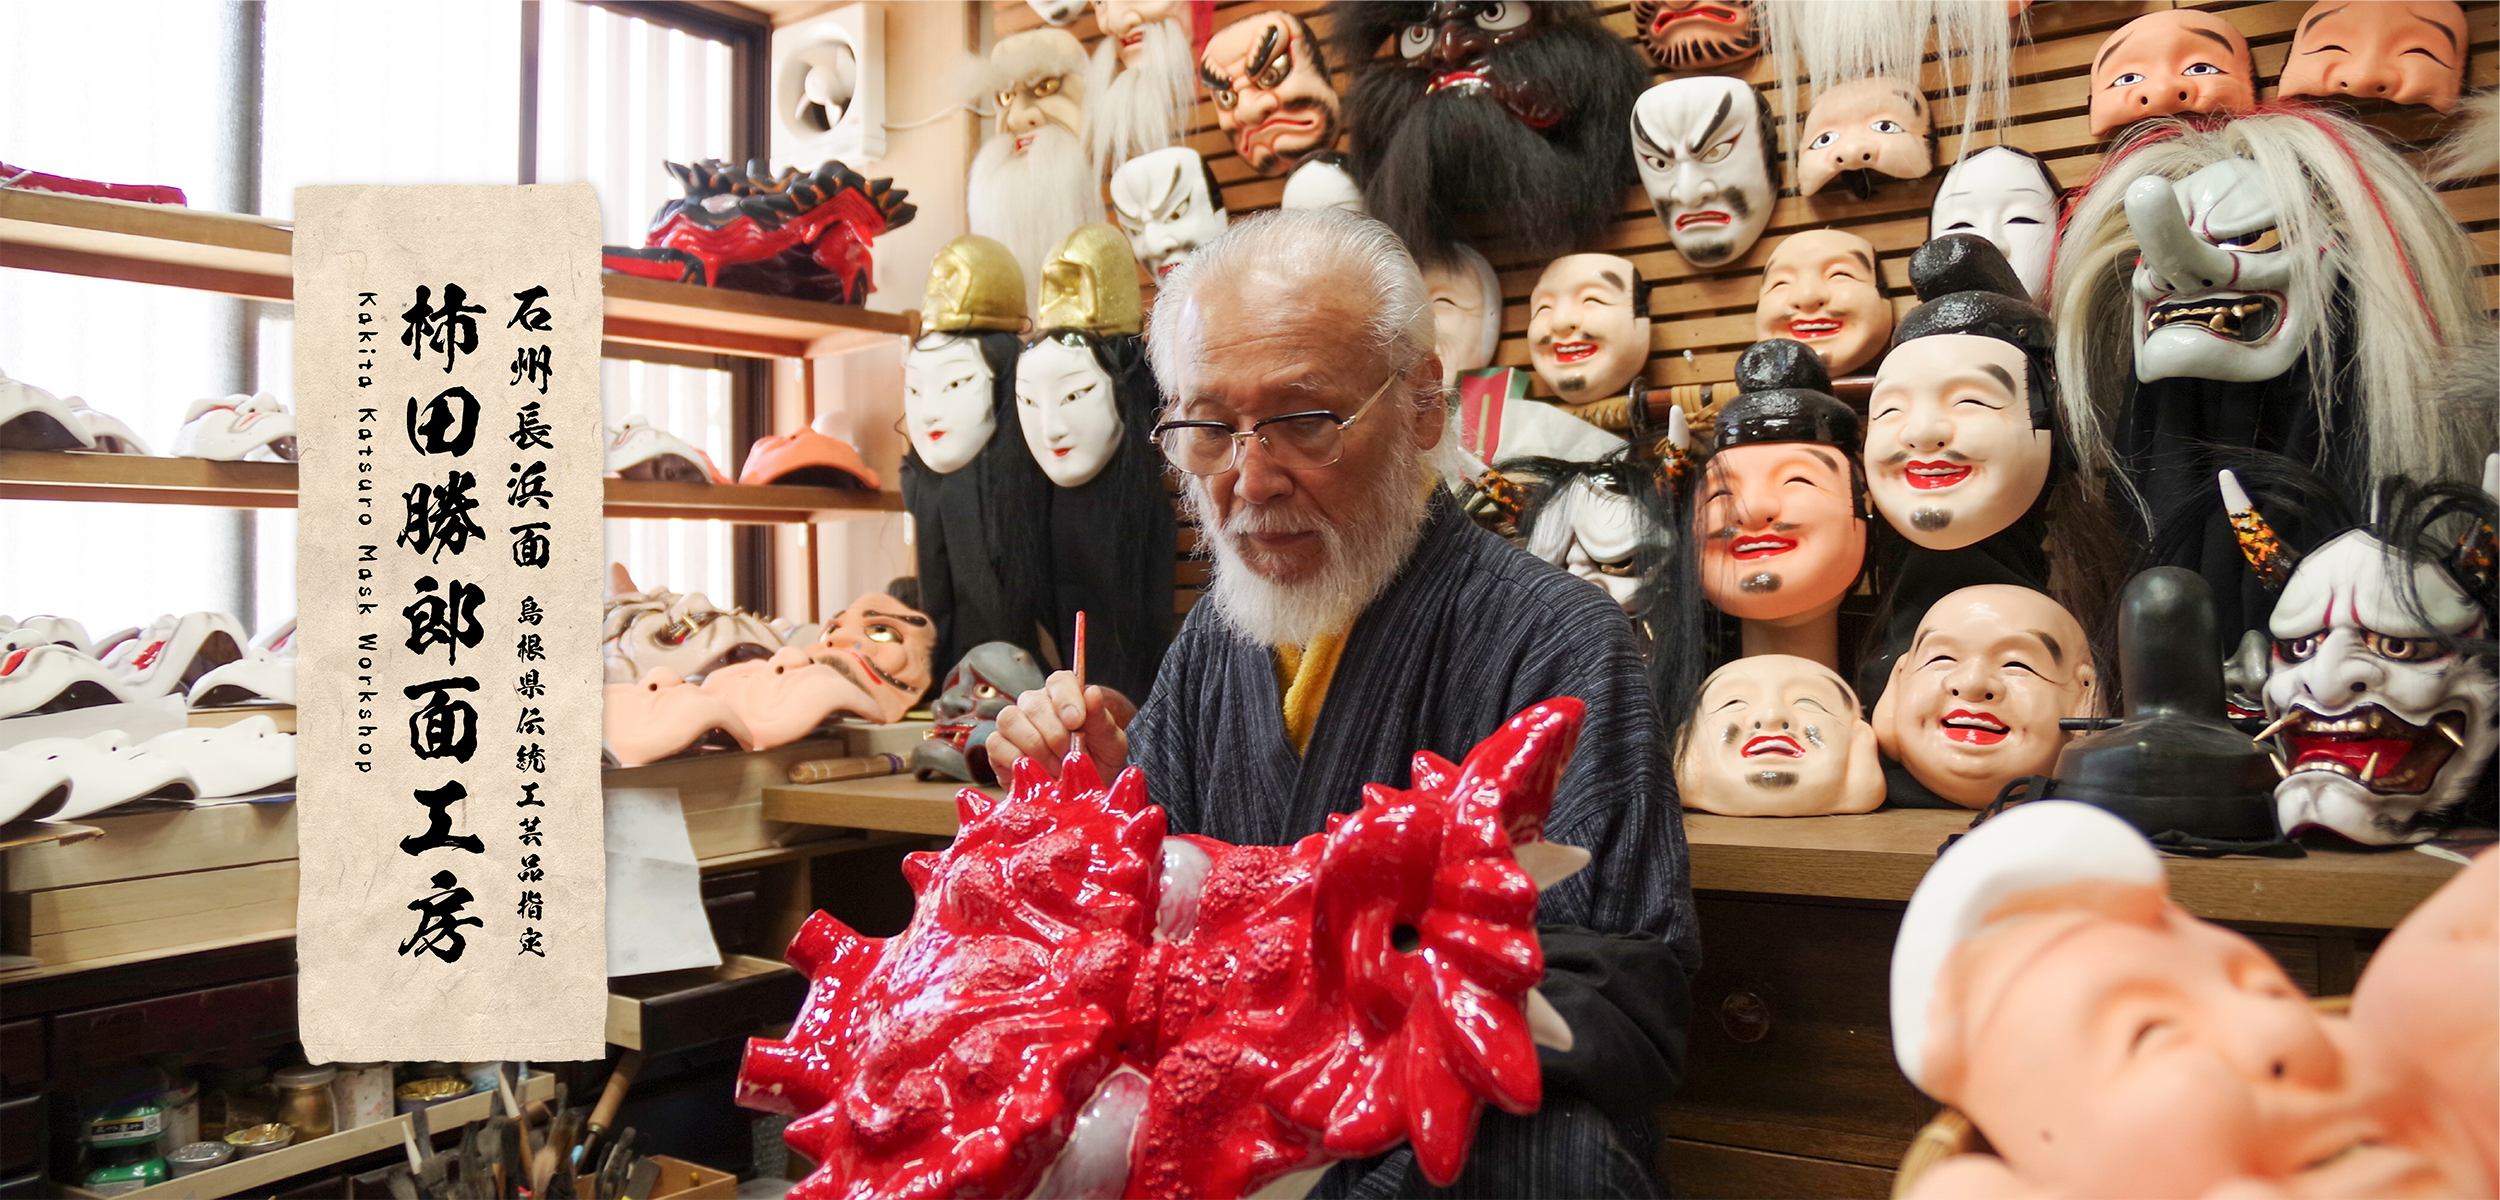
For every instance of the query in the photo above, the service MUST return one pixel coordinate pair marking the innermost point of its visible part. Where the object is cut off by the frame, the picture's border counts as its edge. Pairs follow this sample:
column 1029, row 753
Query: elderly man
column 1355, row 616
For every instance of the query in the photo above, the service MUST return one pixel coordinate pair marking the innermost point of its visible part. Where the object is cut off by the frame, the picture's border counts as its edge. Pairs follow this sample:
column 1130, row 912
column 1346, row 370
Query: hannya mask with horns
column 2381, row 681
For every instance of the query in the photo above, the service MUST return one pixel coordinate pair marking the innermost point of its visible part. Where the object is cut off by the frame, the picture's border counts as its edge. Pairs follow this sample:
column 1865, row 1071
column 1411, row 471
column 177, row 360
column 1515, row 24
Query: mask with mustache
column 1480, row 110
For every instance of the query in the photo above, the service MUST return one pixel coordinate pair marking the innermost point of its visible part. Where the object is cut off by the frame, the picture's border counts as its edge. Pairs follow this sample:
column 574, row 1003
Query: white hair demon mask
column 1709, row 163
column 2380, row 684
column 2217, row 295
column 1168, row 204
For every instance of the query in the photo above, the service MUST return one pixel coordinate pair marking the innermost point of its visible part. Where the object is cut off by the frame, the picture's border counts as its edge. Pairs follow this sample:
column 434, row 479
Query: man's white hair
column 1378, row 277
column 1356, row 259
column 2335, row 181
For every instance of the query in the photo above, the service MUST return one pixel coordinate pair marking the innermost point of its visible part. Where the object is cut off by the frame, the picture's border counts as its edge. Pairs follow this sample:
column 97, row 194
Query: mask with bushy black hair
column 1482, row 110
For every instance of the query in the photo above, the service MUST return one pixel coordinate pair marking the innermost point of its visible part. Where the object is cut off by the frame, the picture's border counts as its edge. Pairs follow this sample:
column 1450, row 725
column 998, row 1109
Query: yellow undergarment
column 1302, row 674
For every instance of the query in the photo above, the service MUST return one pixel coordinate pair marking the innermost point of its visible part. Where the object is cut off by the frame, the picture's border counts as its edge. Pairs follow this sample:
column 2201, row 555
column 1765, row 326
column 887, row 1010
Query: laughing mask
column 1271, row 90
column 2216, row 298
column 1469, row 117
column 1588, row 326
column 2006, row 196
column 1865, row 128
column 1709, row 164
column 2384, row 728
column 1697, row 35
column 1958, row 445
column 2178, row 60
column 1466, row 312
column 1776, row 513
column 1778, row 736
column 1169, row 204
column 883, row 647
column 1821, row 287
column 1974, row 703
column 2400, row 51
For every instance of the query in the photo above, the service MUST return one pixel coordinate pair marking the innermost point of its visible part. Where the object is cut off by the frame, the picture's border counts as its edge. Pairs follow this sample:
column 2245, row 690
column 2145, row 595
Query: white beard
column 1031, row 201
column 1128, row 113
column 1360, row 560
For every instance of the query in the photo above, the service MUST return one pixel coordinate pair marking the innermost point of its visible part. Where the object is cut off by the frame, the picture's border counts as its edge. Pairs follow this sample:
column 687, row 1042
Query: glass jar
column 364, row 1094
column 304, row 1101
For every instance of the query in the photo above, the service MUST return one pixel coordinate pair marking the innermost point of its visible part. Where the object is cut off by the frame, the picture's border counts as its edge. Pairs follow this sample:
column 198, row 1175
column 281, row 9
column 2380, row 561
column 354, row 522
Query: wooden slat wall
column 1710, row 313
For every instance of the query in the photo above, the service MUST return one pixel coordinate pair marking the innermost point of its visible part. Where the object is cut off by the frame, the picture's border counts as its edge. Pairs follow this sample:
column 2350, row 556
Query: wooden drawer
column 21, row 1055
column 676, row 1010
column 1791, row 1046
column 230, row 1026
column 21, row 1134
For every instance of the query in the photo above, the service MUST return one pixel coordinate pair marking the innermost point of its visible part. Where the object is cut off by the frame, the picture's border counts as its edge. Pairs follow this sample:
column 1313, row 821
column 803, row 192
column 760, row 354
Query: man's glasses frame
column 1301, row 455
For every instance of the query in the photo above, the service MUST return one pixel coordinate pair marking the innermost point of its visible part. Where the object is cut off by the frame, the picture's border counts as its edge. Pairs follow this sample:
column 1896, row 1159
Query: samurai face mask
column 1706, row 157
column 2384, row 726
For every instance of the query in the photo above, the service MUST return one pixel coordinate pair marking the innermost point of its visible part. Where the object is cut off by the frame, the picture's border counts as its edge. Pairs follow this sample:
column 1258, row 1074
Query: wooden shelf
column 132, row 479
column 1871, row 856
column 244, row 1174
column 250, row 257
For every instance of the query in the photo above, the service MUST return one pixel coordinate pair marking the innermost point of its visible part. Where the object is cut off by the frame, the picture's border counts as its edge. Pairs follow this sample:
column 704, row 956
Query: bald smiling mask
column 1774, row 735
column 1975, row 702
column 1588, row 326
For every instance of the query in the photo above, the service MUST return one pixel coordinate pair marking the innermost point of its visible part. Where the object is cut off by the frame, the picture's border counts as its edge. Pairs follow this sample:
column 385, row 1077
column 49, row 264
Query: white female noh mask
column 1069, row 409
column 947, row 390
column 2007, row 197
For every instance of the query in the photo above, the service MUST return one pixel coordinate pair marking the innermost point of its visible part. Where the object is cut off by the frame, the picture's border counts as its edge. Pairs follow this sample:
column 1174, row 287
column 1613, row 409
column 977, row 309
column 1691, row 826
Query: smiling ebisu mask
column 1974, row 703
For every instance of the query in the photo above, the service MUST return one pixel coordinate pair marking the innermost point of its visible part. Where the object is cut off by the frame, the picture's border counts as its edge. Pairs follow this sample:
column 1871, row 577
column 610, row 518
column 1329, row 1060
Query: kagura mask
column 1466, row 311
column 989, row 678
column 662, row 715
column 2217, row 296
column 1169, row 204
column 1774, row 735
column 1776, row 514
column 2386, row 712
column 1461, row 108
column 1588, row 326
column 1594, row 526
column 1031, row 183
column 1272, row 94
column 1974, row 703
column 1821, row 287
column 2045, row 983
column 1139, row 93
column 883, row 647
column 2400, row 51
column 1863, row 129
column 785, row 697
column 1709, row 163
column 2006, row 196
column 949, row 387
column 1065, row 398
column 1697, row 35
column 2178, row 60
column 1039, row 85
column 1958, row 446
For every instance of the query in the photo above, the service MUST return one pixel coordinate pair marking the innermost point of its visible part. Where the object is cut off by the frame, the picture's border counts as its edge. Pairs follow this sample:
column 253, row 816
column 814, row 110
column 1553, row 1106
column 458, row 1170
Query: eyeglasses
column 1302, row 441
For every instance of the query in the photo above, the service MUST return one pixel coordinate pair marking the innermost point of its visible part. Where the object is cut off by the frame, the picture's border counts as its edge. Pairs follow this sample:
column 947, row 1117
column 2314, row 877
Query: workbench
column 1790, row 1086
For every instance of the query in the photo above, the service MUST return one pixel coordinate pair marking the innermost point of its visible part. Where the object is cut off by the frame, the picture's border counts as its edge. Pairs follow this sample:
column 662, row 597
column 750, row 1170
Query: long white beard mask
column 2385, row 727
column 1032, row 201
column 1131, row 111
column 1362, row 556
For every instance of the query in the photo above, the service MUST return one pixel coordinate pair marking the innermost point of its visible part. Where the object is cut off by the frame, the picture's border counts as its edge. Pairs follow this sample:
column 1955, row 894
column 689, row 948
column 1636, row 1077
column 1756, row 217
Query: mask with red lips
column 1974, row 703
column 1588, row 326
column 1777, row 514
column 1821, row 287
column 1709, row 162
column 884, row 647
column 1697, row 35
column 1774, row 735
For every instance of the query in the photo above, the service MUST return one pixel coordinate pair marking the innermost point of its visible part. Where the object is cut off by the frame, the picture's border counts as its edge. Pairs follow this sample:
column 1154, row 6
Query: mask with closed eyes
column 1774, row 735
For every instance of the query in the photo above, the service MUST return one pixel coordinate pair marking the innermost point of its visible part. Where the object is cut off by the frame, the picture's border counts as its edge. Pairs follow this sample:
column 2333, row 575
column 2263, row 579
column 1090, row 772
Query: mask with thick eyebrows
column 1269, row 81
column 2400, row 51
column 1709, row 163
column 1467, row 112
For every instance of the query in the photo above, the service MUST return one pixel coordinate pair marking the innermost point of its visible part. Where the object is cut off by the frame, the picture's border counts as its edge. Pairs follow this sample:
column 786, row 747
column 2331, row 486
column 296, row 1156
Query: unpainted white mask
column 1164, row 208
column 2216, row 294
column 947, row 393
column 1322, row 185
column 1069, row 410
column 2387, row 726
column 1466, row 312
column 1699, row 145
column 2008, row 198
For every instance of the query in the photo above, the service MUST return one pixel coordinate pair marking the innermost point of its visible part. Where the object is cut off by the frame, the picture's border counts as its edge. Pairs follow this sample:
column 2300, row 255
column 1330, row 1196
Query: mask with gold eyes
column 884, row 646
column 989, row 678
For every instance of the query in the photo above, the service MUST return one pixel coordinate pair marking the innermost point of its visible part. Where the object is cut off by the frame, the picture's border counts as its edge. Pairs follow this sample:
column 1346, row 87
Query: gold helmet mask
column 974, row 284
column 1090, row 284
